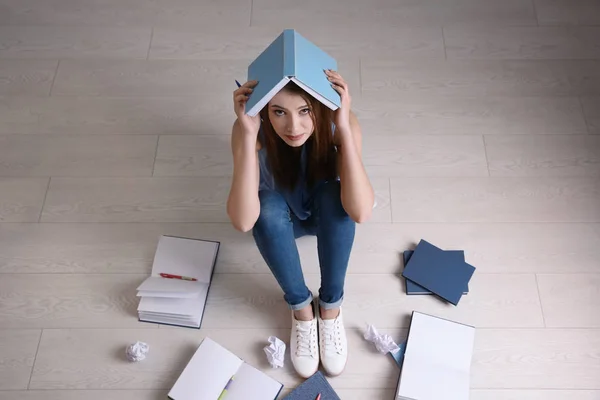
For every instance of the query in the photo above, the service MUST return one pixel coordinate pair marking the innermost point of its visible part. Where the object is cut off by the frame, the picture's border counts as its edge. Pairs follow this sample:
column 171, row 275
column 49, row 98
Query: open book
column 437, row 360
column 214, row 371
column 291, row 57
column 178, row 301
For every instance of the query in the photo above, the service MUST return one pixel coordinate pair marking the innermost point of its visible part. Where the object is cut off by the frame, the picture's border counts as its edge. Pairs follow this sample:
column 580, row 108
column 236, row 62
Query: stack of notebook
column 437, row 360
column 431, row 270
column 176, row 291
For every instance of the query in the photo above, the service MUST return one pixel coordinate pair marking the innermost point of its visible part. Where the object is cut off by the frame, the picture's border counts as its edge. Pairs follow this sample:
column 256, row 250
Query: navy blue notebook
column 412, row 288
column 431, row 268
column 310, row 389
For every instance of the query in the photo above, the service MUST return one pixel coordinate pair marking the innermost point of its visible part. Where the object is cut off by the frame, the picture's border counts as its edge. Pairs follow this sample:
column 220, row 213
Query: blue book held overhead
column 291, row 57
column 431, row 268
column 414, row 289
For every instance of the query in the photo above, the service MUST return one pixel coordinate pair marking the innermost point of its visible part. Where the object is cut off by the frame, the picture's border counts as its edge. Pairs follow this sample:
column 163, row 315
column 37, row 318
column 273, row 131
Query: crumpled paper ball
column 275, row 352
column 383, row 343
column 136, row 351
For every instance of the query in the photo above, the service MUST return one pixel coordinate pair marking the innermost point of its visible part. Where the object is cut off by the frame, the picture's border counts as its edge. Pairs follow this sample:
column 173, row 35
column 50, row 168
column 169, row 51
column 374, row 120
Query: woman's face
column 290, row 116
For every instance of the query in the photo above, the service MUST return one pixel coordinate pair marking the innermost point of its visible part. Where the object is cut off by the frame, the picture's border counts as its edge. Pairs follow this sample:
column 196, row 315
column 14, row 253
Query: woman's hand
column 342, row 114
column 250, row 125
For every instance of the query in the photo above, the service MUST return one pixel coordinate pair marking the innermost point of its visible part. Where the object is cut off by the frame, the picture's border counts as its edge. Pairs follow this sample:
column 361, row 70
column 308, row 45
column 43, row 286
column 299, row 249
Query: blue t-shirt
column 300, row 199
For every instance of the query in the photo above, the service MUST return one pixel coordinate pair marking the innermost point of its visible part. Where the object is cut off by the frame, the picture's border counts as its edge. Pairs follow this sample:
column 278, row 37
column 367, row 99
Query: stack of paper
column 437, row 360
column 429, row 269
column 179, row 300
column 214, row 373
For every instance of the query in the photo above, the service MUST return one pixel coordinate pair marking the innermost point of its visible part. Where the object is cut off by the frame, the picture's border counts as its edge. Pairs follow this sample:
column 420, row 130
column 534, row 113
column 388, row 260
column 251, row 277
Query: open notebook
column 177, row 301
column 437, row 360
column 214, row 371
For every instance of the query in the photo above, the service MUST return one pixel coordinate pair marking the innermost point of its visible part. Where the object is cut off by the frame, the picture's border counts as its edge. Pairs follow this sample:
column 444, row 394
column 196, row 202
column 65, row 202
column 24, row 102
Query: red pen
column 318, row 397
column 171, row 276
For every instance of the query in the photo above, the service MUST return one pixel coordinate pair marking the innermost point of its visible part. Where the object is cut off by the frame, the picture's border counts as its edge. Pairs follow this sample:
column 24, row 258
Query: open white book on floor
column 181, row 299
column 214, row 371
column 437, row 360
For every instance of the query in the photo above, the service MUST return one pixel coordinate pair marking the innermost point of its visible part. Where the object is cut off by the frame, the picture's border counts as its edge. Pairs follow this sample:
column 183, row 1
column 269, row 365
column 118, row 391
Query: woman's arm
column 243, row 206
column 357, row 193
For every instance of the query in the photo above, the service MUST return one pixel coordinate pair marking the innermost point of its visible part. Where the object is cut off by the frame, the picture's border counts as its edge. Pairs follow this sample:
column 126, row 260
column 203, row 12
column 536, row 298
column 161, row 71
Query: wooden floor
column 481, row 123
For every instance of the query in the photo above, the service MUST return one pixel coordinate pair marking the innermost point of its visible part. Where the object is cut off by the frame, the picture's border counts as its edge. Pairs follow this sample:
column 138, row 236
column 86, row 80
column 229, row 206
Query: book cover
column 430, row 268
column 311, row 388
column 414, row 289
column 437, row 350
column 291, row 57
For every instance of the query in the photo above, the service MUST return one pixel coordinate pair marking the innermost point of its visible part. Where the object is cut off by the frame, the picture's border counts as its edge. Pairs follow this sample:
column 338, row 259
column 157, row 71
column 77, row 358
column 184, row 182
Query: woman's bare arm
column 243, row 206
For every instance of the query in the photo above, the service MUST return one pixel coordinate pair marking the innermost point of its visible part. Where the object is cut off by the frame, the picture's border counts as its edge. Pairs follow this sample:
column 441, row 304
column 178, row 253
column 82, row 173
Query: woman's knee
column 274, row 213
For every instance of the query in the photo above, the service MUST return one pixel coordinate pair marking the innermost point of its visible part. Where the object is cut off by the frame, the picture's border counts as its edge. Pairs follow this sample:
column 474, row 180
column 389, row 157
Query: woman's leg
column 335, row 238
column 275, row 236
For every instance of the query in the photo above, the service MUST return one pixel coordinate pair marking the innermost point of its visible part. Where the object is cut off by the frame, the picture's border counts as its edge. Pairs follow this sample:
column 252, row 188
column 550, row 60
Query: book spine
column 289, row 53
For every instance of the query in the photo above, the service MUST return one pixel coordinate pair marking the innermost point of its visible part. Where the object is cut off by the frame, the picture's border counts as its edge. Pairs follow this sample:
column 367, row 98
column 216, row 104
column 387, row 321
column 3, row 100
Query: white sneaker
column 304, row 349
column 333, row 344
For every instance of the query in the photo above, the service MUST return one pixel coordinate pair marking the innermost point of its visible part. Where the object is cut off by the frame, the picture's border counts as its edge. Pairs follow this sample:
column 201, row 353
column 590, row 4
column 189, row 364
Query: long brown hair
column 284, row 160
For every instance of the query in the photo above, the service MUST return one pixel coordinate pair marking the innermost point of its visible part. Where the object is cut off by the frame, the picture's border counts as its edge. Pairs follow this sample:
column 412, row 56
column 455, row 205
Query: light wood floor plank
column 496, row 199
column 392, row 13
column 591, row 109
column 534, row 247
column 68, row 155
column 21, row 199
column 194, row 155
column 247, row 42
column 132, row 13
column 253, row 301
column 570, row 301
column 528, row 394
column 543, row 155
column 17, row 353
column 26, row 77
column 565, row 12
column 388, row 77
column 116, row 248
column 73, row 42
column 424, row 155
column 117, row 115
column 70, row 301
column 522, row 42
column 85, row 394
column 435, row 115
column 382, row 211
column 536, row 359
column 136, row 200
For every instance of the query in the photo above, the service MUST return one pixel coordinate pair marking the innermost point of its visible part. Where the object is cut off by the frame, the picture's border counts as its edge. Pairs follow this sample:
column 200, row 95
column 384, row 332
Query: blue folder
column 414, row 289
column 431, row 268
column 310, row 389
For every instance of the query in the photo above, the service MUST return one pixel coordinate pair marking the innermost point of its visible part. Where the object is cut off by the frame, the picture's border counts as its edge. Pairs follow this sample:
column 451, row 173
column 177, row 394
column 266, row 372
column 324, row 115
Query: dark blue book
column 310, row 389
column 414, row 289
column 431, row 268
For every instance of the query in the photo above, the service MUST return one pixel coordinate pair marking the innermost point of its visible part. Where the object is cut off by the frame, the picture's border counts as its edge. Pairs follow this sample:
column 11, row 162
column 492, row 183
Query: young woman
column 298, row 171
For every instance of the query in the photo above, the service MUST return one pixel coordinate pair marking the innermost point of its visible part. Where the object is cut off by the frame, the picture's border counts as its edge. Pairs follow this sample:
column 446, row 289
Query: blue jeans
column 277, row 229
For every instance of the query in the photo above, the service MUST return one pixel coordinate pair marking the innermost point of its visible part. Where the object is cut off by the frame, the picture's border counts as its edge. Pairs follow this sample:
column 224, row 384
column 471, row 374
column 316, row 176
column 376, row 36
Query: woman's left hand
column 342, row 114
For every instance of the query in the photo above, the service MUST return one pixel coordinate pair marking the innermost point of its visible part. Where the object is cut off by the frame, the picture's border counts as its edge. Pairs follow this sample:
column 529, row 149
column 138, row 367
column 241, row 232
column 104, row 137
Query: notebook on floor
column 436, row 271
column 437, row 360
column 311, row 388
column 215, row 373
column 414, row 289
column 178, row 302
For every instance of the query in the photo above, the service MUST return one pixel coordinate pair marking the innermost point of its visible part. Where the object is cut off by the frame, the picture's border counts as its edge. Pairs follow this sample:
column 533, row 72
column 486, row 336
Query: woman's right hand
column 250, row 125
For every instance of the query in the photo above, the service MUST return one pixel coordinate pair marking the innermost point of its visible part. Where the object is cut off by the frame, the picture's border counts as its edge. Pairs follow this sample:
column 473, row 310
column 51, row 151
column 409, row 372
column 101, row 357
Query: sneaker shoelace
column 304, row 339
column 332, row 342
